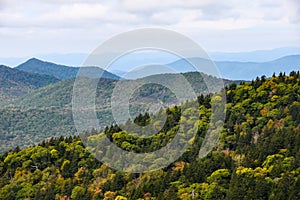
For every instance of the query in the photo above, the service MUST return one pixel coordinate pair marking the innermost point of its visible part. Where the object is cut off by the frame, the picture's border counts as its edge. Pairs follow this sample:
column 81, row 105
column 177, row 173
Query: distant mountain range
column 242, row 70
column 38, row 94
column 61, row 71
column 77, row 59
column 249, row 70
column 34, row 73
column 40, row 113
column 255, row 56
column 239, row 66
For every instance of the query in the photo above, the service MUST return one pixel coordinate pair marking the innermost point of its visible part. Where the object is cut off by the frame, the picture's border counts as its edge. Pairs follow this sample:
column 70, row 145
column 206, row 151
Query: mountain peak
column 61, row 71
column 35, row 60
column 34, row 63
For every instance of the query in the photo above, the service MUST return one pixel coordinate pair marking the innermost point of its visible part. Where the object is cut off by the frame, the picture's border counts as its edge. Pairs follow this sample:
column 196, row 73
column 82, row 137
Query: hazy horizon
column 77, row 59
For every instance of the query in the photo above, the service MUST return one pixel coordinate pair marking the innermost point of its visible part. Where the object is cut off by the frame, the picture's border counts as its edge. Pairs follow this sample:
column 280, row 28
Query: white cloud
column 77, row 11
column 94, row 20
column 37, row 13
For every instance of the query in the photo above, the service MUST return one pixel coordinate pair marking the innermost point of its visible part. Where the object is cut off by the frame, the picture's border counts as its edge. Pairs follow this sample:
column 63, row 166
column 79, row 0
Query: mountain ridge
column 256, row 55
column 234, row 70
column 15, row 83
column 49, row 109
column 62, row 72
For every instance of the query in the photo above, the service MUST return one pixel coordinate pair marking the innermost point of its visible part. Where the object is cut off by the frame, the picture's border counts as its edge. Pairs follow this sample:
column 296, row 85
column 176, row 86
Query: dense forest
column 47, row 111
column 257, row 155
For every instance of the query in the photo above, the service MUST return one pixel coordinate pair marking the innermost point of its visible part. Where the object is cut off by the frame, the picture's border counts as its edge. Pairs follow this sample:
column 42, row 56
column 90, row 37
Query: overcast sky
column 63, row 26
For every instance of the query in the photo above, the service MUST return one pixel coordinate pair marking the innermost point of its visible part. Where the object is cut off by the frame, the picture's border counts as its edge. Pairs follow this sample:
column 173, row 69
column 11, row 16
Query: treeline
column 257, row 155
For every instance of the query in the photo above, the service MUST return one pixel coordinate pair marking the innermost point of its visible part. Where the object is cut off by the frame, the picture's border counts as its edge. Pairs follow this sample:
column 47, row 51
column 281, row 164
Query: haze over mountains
column 229, row 69
column 77, row 59
column 244, row 70
column 38, row 94
column 47, row 72
column 34, row 74
column 37, row 73
column 34, row 115
column 61, row 71
column 255, row 56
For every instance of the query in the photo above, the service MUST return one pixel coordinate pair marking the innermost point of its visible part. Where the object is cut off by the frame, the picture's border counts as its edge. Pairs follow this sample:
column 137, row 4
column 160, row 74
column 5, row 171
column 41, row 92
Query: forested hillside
column 15, row 83
column 47, row 112
column 257, row 155
column 60, row 94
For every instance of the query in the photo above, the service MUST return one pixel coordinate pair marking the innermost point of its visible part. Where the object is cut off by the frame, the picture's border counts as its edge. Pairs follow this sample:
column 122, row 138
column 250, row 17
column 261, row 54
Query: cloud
column 77, row 11
column 39, row 13
column 94, row 20
column 295, row 16
column 50, row 15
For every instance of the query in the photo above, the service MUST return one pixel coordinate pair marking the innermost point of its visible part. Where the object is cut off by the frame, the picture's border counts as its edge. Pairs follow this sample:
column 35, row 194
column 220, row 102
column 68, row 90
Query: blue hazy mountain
column 69, row 59
column 243, row 70
column 77, row 59
column 232, row 65
column 62, row 71
column 255, row 56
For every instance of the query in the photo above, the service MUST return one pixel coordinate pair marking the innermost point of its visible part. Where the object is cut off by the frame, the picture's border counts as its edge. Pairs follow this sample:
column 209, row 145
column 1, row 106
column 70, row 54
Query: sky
column 35, row 27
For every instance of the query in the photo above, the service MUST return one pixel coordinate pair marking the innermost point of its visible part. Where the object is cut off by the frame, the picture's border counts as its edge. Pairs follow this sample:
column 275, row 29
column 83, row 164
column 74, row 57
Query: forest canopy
column 257, row 155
